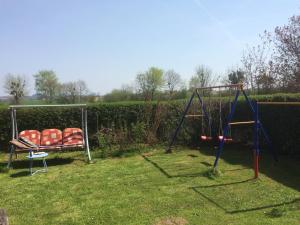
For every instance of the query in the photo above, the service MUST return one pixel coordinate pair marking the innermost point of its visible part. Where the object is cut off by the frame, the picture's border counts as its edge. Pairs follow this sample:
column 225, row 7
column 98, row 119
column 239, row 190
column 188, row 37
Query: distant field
column 153, row 188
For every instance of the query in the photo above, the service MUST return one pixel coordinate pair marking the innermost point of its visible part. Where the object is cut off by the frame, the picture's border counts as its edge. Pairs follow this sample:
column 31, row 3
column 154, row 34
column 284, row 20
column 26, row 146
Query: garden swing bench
column 48, row 139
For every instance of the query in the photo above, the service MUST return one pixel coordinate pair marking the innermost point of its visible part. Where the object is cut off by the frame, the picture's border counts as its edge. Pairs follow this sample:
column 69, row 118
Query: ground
column 153, row 188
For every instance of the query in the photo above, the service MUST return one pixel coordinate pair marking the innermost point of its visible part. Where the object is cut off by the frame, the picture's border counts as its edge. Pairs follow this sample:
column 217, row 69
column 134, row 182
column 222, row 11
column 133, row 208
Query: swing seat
column 205, row 138
column 226, row 139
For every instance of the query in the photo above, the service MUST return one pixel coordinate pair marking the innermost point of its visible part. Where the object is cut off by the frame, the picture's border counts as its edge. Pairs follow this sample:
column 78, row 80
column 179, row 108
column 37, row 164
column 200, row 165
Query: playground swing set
column 35, row 142
column 224, row 132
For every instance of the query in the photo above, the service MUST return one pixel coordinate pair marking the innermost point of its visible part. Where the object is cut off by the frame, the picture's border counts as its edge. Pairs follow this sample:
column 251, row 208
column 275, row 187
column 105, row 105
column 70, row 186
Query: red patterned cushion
column 51, row 137
column 72, row 136
column 32, row 135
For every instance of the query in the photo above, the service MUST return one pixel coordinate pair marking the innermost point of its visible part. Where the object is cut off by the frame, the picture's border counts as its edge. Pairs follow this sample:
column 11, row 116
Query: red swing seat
column 226, row 139
column 205, row 138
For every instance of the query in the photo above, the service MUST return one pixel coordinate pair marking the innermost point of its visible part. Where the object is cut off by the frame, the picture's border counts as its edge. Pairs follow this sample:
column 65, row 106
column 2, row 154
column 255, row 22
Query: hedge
column 281, row 122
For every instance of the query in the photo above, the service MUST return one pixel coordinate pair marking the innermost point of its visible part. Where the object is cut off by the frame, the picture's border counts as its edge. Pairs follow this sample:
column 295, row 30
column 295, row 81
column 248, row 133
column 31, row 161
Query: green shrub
column 138, row 132
column 4, row 169
column 130, row 122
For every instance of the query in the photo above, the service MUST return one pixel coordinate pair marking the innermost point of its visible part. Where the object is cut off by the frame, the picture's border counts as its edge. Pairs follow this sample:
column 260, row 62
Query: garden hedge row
column 281, row 122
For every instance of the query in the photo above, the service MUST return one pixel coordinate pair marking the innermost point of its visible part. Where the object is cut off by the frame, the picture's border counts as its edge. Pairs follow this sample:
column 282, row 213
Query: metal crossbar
column 238, row 86
column 197, row 115
column 39, row 106
column 278, row 103
column 242, row 122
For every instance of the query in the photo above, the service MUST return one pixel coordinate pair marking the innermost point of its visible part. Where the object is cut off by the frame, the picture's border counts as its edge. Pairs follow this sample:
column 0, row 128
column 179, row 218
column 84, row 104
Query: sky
column 106, row 43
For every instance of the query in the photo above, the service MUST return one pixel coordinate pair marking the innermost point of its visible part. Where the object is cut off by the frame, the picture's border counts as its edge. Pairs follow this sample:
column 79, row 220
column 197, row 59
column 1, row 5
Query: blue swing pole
column 226, row 129
column 261, row 127
column 169, row 150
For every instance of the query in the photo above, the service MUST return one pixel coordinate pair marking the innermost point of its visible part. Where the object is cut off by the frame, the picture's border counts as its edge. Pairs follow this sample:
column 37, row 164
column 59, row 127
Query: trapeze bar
column 37, row 106
column 243, row 122
column 240, row 86
column 278, row 103
column 199, row 115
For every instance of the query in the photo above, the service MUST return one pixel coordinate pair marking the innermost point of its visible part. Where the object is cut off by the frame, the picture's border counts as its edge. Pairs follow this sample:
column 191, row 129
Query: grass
column 152, row 188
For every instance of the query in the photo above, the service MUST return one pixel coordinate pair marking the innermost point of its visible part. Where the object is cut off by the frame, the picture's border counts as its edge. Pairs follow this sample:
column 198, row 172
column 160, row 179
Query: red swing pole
column 256, row 141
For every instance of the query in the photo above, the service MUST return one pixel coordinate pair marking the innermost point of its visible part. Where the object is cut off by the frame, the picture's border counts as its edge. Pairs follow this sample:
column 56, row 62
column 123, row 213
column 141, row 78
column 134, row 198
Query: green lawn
column 155, row 188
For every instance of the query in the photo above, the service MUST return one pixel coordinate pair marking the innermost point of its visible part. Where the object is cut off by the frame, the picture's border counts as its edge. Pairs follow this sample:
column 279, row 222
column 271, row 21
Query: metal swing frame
column 184, row 115
column 258, row 126
column 15, row 132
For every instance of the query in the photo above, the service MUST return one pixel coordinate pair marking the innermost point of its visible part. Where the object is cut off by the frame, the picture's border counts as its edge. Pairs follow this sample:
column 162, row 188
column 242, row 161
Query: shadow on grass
column 286, row 171
column 164, row 172
column 238, row 169
column 196, row 190
column 225, row 184
column 23, row 164
column 206, row 164
column 20, row 174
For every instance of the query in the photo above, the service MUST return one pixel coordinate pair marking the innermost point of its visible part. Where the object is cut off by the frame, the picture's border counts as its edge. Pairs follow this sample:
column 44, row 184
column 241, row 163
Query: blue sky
column 106, row 43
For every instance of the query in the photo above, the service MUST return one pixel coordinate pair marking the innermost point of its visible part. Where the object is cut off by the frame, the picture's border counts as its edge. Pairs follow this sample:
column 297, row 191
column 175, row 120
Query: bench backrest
column 32, row 135
column 72, row 136
column 51, row 137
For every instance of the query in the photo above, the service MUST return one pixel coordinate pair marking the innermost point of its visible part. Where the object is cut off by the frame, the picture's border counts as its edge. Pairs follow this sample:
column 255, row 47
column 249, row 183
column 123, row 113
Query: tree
column 286, row 41
column 236, row 77
column 68, row 92
column 258, row 64
column 202, row 78
column 266, row 82
column 275, row 63
column 72, row 92
column 149, row 82
column 82, row 89
column 46, row 84
column 172, row 80
column 15, row 85
column 123, row 94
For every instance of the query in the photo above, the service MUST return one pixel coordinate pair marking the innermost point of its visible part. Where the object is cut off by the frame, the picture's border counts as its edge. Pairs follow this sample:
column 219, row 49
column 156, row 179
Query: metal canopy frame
column 239, row 86
column 15, row 132
column 47, row 106
column 258, row 127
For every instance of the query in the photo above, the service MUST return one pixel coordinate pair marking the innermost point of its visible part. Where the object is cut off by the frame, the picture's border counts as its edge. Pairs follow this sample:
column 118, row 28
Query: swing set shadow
column 197, row 189
column 164, row 172
column 226, row 210
column 168, row 175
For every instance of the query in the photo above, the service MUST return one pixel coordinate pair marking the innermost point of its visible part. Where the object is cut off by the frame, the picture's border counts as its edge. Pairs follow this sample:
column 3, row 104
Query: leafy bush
column 138, row 132
column 130, row 122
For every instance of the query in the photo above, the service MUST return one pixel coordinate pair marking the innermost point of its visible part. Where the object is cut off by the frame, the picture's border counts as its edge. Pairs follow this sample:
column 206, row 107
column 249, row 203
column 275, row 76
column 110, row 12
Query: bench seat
column 49, row 140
